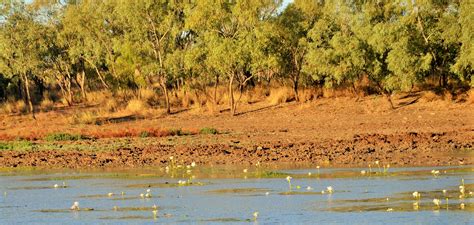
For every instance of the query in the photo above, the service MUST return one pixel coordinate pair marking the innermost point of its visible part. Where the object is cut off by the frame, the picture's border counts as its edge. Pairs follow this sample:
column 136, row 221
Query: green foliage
column 120, row 44
column 64, row 137
column 16, row 145
column 208, row 130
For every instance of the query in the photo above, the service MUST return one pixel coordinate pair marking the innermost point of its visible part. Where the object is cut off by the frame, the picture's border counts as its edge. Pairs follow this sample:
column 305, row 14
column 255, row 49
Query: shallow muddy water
column 223, row 195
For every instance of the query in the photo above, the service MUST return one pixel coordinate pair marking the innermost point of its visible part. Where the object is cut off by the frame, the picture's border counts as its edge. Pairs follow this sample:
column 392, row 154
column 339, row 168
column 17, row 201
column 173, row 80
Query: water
column 232, row 196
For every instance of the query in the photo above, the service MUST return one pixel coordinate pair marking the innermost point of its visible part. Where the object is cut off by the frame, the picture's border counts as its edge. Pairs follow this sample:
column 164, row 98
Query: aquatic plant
column 148, row 193
column 416, row 205
column 75, row 206
column 378, row 166
column 416, row 195
column 437, row 202
column 386, row 168
column 330, row 190
column 255, row 216
column 288, row 179
column 155, row 213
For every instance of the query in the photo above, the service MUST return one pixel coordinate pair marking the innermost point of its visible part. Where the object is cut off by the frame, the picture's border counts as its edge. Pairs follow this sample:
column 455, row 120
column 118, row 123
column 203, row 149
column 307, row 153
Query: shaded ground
column 335, row 132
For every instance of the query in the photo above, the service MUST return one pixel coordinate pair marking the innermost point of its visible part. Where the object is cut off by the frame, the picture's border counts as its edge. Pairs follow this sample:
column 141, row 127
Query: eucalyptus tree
column 335, row 53
column 464, row 65
column 22, row 45
column 228, row 30
column 86, row 39
column 296, row 22
column 151, row 29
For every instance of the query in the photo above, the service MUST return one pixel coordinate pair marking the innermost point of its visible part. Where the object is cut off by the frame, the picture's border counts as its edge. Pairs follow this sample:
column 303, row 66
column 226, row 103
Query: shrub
column 208, row 130
column 136, row 106
column 63, row 137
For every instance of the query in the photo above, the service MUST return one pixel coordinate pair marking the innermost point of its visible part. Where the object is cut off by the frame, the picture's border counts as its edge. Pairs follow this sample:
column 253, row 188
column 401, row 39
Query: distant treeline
column 78, row 46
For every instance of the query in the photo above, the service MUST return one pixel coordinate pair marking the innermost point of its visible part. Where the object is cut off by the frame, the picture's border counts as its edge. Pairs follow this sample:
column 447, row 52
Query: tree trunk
column 165, row 92
column 389, row 98
column 231, row 95
column 215, row 89
column 28, row 96
column 81, row 80
column 295, row 86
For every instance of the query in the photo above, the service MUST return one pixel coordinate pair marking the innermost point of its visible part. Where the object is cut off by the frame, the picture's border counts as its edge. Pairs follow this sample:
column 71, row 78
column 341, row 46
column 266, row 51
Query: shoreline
column 405, row 149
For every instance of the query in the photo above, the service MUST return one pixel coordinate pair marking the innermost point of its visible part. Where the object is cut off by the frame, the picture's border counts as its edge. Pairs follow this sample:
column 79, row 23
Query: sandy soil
column 332, row 132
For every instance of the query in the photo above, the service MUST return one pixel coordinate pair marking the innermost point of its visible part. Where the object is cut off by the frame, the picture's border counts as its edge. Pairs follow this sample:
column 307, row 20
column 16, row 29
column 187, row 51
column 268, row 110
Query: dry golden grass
column 147, row 94
column 255, row 94
column 111, row 105
column 307, row 95
column 14, row 107
column 470, row 96
column 280, row 95
column 46, row 105
column 137, row 106
column 447, row 96
column 99, row 97
column 429, row 96
column 87, row 117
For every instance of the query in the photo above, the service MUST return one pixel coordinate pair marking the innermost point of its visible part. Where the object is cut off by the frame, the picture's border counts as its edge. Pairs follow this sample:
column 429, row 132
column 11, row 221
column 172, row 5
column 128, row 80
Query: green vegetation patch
column 208, row 130
column 64, row 137
column 16, row 145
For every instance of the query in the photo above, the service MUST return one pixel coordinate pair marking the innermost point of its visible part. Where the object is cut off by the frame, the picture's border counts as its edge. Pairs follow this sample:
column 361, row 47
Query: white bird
column 437, row 202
